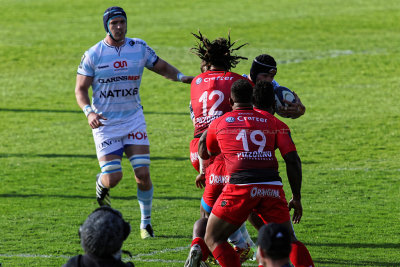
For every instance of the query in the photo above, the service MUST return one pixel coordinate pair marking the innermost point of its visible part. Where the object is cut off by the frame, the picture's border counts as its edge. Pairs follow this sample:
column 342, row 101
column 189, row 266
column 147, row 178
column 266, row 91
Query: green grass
column 341, row 57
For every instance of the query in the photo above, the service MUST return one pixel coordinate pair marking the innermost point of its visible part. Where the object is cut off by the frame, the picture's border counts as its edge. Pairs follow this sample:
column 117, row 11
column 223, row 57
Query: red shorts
column 194, row 154
column 216, row 179
column 237, row 201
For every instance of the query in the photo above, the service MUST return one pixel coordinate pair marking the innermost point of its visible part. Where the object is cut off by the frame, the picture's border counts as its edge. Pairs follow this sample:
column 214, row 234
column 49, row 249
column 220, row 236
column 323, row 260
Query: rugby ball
column 283, row 93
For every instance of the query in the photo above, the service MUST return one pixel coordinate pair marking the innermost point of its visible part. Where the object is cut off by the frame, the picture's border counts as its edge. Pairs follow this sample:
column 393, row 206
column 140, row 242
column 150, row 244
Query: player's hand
column 201, row 180
column 187, row 79
column 298, row 210
column 293, row 110
column 94, row 120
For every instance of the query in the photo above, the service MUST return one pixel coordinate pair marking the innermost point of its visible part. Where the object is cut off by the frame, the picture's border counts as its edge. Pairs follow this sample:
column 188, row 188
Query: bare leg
column 217, row 233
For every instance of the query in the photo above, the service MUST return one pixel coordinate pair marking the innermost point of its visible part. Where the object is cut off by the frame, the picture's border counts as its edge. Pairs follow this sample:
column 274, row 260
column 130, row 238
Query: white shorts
column 112, row 138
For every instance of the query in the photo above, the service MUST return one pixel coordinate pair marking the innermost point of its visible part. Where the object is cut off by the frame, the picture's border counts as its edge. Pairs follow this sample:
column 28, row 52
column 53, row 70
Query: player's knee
column 111, row 166
column 111, row 172
column 209, row 239
column 140, row 161
column 140, row 164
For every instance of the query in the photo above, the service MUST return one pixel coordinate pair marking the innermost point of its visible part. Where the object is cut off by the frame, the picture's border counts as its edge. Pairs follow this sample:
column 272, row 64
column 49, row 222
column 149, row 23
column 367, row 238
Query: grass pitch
column 341, row 57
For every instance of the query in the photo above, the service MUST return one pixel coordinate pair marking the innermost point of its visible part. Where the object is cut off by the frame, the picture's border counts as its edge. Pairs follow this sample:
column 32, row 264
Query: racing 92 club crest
column 199, row 80
column 230, row 119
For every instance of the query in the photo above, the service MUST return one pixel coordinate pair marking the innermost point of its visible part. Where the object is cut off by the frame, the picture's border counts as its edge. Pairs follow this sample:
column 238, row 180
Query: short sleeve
column 86, row 67
column 151, row 57
column 284, row 139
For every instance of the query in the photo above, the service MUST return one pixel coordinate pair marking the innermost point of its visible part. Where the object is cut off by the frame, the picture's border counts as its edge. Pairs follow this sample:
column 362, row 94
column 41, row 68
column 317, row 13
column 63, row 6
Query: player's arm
column 170, row 72
column 211, row 141
column 294, row 110
column 82, row 86
column 293, row 167
column 294, row 174
column 204, row 160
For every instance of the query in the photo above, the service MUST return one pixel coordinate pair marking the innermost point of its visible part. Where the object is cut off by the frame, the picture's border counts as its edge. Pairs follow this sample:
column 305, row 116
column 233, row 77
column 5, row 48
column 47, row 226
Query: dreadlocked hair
column 218, row 52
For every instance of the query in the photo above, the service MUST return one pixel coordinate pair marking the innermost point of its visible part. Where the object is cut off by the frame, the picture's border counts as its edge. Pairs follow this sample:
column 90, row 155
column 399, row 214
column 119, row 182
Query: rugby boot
column 194, row 258
column 147, row 232
column 102, row 193
column 244, row 253
column 211, row 260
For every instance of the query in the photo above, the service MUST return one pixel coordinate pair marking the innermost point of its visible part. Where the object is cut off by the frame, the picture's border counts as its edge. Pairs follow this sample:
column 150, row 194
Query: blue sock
column 145, row 199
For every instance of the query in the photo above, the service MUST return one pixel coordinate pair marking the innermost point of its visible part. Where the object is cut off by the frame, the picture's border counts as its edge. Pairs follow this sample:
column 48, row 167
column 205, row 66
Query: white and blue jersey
column 117, row 74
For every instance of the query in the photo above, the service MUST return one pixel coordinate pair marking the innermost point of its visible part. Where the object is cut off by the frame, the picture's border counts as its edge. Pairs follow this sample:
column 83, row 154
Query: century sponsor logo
column 251, row 118
column 255, row 155
column 219, row 179
column 219, row 78
column 119, row 78
column 264, row 192
column 119, row 92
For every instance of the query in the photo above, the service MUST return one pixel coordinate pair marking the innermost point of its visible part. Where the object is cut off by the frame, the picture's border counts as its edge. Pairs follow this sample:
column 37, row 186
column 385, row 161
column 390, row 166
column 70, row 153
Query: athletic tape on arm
column 140, row 160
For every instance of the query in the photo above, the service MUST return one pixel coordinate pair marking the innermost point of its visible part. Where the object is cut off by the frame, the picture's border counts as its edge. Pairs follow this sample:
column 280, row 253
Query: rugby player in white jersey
column 113, row 68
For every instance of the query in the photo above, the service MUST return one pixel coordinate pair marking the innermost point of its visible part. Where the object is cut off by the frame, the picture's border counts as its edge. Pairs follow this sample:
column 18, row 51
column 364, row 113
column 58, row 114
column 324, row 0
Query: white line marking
column 161, row 251
column 134, row 259
column 34, row 256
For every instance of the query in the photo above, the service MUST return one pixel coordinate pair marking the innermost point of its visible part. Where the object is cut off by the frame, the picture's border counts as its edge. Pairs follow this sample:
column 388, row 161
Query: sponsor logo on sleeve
column 82, row 59
column 199, row 80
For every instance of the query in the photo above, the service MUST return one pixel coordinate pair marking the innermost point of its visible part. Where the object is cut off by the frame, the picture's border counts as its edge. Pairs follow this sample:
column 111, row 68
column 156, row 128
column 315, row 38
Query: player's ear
column 231, row 101
column 260, row 253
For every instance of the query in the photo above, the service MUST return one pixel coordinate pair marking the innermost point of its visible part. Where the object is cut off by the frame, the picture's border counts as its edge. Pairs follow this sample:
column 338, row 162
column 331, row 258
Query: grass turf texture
column 341, row 57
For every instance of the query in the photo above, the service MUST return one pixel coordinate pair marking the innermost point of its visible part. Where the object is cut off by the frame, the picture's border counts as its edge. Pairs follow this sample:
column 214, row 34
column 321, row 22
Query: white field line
column 135, row 258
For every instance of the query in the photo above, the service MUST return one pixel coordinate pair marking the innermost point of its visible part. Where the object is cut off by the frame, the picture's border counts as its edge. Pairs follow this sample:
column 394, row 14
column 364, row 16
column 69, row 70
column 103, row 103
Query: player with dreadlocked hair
column 218, row 53
column 210, row 93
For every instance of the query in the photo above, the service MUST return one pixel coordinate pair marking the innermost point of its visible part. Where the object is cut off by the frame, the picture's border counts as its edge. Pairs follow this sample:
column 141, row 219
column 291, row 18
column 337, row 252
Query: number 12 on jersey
column 213, row 110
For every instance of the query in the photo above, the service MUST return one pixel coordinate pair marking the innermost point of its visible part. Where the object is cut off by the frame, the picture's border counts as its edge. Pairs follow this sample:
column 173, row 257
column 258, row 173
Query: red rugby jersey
column 248, row 140
column 209, row 95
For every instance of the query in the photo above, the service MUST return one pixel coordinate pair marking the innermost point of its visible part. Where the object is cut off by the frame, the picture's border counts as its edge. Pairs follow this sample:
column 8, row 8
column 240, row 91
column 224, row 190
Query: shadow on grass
column 93, row 156
column 15, row 195
column 80, row 112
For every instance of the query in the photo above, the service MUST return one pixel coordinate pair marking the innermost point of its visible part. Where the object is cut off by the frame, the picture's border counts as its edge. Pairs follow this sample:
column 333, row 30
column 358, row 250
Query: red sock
column 300, row 257
column 226, row 255
column 204, row 249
